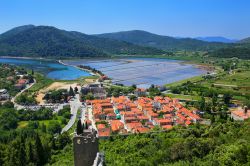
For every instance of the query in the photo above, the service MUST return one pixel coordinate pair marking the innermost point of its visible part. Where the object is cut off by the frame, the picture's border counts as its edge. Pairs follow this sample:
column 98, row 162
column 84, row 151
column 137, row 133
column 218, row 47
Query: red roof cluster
column 123, row 115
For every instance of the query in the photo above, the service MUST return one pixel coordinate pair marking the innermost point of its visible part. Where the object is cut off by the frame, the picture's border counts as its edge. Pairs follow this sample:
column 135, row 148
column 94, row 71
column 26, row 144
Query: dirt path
column 54, row 86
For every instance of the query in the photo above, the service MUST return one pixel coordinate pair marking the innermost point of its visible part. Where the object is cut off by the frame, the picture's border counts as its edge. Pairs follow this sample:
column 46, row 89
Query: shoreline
column 26, row 57
column 89, row 71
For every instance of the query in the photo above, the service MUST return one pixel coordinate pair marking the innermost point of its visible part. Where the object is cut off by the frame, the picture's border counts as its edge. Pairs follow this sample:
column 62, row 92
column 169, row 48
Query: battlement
column 85, row 148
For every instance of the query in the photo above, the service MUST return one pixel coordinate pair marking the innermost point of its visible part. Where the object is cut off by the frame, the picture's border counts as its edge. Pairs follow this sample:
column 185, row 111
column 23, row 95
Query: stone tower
column 85, row 147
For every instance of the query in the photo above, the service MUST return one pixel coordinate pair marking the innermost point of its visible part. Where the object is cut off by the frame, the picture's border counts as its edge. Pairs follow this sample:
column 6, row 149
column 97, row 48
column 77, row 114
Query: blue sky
column 181, row 18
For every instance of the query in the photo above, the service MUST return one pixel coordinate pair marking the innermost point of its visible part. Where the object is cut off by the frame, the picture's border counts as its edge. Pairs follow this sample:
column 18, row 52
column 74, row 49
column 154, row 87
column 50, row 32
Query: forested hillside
column 241, row 51
column 167, row 43
column 45, row 41
column 218, row 145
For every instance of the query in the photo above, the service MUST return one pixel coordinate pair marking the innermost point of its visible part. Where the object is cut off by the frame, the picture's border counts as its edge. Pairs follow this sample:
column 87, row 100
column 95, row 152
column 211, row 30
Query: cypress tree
column 79, row 128
column 76, row 89
column 71, row 91
column 39, row 152
column 86, row 125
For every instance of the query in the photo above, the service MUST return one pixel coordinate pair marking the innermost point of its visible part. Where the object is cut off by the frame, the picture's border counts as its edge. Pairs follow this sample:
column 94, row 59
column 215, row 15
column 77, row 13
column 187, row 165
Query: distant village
column 15, row 81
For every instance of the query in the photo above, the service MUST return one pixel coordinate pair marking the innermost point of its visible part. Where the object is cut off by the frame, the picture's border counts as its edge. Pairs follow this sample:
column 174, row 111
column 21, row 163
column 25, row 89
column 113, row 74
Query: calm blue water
column 51, row 69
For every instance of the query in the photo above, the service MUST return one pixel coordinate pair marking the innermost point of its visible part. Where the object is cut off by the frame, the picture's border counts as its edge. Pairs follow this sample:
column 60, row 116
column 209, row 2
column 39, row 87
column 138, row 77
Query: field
column 23, row 124
column 232, row 76
column 184, row 97
column 238, row 79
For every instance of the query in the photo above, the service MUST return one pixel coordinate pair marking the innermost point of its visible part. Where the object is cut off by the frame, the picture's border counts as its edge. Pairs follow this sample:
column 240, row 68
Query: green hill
column 246, row 40
column 45, row 41
column 240, row 50
column 167, row 43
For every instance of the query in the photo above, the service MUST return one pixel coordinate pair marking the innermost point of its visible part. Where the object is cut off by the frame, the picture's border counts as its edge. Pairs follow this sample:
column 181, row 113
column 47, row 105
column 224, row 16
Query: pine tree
column 79, row 129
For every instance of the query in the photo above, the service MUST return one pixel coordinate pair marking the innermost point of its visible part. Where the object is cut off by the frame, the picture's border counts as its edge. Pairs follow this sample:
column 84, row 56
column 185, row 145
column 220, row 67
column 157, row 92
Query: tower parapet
column 85, row 147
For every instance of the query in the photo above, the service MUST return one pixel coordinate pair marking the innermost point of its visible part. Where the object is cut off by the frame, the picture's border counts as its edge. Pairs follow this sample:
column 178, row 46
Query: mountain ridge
column 166, row 43
column 45, row 41
column 216, row 39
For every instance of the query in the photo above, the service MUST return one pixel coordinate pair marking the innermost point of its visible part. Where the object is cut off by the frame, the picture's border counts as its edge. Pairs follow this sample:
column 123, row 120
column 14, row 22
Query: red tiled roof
column 111, row 114
column 152, row 114
column 116, row 125
column 168, row 127
column 189, row 113
column 241, row 113
column 128, row 114
column 108, row 110
column 143, row 117
column 142, row 130
column 134, row 125
column 101, row 126
column 104, row 132
column 162, row 121
column 22, row 81
column 187, row 122
column 181, row 117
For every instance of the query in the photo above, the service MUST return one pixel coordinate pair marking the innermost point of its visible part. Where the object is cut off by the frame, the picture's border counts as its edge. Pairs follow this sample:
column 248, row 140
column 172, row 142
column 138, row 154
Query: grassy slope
column 237, row 83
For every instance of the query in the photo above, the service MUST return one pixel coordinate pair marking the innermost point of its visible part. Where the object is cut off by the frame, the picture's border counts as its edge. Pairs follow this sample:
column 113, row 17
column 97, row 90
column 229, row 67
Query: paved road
column 74, row 106
column 59, row 107
column 18, row 106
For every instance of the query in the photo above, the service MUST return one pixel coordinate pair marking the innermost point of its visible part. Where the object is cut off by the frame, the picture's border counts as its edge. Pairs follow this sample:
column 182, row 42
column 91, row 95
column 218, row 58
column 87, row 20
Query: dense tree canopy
column 33, row 144
column 240, row 51
column 220, row 144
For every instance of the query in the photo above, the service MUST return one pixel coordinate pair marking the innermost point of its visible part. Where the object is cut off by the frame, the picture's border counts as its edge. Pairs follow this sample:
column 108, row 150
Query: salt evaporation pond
column 142, row 72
